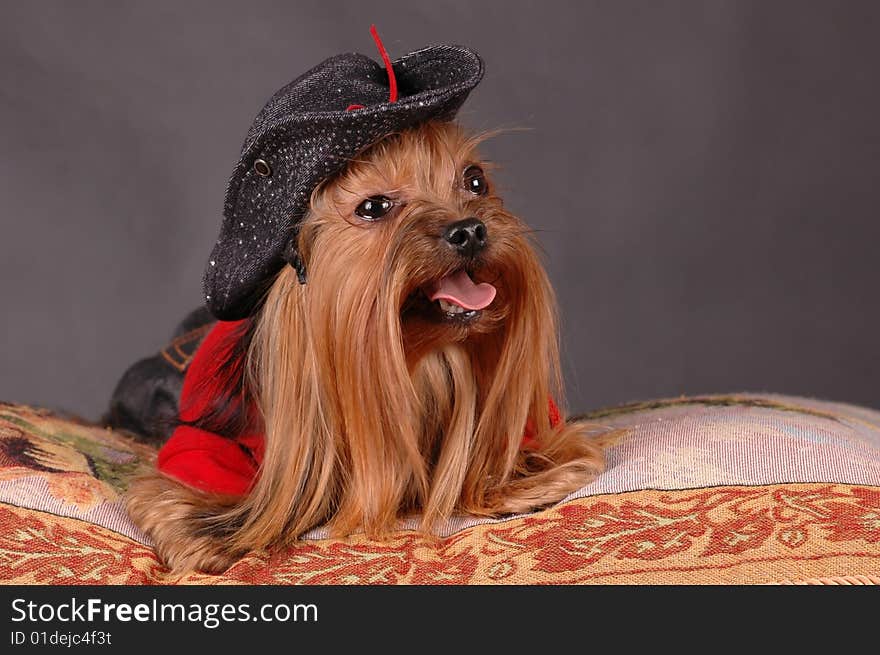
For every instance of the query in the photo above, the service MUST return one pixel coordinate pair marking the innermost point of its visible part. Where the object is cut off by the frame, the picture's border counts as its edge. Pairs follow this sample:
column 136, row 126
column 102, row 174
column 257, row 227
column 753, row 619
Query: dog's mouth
column 456, row 297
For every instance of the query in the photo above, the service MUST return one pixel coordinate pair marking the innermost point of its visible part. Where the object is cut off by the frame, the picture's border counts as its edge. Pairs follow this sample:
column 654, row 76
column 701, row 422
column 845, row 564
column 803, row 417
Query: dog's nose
column 468, row 236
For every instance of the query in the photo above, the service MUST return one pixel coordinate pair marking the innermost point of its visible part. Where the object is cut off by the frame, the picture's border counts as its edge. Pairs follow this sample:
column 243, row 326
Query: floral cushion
column 720, row 489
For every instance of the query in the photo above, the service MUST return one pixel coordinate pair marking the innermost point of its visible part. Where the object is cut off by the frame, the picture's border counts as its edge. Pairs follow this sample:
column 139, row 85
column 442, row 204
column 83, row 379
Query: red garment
column 217, row 464
column 201, row 459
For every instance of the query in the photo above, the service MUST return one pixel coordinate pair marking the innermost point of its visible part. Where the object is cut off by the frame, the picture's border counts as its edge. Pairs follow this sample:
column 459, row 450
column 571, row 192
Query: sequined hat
column 306, row 133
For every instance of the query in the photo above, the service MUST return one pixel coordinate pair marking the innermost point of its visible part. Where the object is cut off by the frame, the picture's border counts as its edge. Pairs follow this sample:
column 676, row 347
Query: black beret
column 306, row 133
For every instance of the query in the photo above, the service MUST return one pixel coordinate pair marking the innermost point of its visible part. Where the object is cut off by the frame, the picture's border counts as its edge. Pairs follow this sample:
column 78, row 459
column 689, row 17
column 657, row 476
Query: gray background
column 704, row 176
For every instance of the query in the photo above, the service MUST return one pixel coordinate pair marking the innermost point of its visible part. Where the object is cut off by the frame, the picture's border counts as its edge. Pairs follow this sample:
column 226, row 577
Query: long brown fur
column 373, row 411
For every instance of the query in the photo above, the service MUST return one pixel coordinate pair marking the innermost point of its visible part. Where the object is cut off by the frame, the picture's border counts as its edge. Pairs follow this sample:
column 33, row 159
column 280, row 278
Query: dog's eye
column 475, row 181
column 374, row 208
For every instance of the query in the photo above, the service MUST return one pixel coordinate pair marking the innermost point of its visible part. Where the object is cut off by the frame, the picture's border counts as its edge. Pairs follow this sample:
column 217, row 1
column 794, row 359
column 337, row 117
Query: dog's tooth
column 449, row 307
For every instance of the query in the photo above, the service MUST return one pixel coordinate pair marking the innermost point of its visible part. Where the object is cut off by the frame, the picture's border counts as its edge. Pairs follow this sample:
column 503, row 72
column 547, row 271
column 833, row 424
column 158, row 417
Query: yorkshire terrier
column 414, row 375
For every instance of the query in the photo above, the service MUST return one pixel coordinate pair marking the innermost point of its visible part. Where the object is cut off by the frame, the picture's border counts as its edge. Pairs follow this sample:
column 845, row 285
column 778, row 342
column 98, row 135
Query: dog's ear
column 292, row 257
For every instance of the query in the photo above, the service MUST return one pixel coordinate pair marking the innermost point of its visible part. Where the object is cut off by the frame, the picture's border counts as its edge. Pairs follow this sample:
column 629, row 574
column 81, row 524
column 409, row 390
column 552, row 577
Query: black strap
column 291, row 256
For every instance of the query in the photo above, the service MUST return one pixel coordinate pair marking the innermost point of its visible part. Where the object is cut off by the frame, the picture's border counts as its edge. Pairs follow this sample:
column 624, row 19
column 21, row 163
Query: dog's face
column 415, row 226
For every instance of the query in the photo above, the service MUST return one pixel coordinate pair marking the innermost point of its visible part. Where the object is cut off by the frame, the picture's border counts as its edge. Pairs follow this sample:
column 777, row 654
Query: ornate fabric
column 722, row 489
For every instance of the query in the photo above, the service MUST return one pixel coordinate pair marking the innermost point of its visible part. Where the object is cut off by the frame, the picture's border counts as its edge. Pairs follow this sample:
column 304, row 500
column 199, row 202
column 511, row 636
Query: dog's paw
column 567, row 461
column 185, row 525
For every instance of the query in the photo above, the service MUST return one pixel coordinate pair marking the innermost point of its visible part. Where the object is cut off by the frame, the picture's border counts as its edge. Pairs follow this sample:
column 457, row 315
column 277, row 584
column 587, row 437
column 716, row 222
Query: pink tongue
column 460, row 289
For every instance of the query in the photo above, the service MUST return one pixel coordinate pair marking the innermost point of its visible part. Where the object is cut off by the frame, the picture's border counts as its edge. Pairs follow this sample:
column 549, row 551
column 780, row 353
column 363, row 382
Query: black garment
column 145, row 401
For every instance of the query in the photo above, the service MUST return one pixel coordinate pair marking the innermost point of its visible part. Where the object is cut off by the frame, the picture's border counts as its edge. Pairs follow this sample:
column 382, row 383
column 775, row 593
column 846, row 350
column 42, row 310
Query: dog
column 415, row 374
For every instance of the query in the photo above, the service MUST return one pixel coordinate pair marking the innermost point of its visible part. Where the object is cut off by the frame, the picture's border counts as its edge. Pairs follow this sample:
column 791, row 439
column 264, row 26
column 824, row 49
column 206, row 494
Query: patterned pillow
column 719, row 489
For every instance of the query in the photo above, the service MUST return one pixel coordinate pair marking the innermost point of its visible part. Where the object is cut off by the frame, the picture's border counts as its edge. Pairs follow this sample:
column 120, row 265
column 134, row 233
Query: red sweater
column 217, row 464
